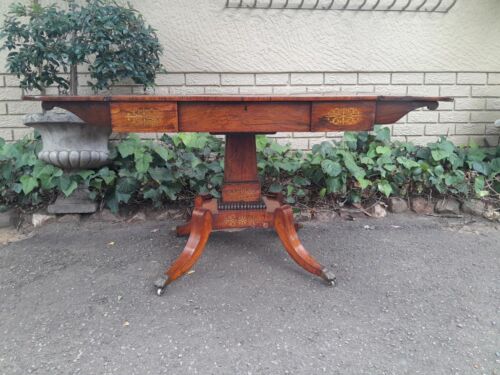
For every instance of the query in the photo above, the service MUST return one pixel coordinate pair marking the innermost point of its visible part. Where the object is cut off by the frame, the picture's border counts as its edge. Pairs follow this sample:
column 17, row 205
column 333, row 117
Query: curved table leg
column 200, row 228
column 183, row 230
column 285, row 227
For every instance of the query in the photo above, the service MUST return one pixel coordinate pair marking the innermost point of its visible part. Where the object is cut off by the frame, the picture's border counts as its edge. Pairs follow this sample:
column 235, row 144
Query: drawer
column 244, row 117
column 343, row 116
column 144, row 117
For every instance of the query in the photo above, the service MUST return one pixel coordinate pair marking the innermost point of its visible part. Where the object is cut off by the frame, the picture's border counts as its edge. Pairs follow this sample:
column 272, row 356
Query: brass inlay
column 347, row 116
column 242, row 194
column 240, row 220
column 145, row 117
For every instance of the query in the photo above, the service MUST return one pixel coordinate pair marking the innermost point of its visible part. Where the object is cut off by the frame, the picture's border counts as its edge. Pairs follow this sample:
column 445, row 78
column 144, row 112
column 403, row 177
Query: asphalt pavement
column 414, row 295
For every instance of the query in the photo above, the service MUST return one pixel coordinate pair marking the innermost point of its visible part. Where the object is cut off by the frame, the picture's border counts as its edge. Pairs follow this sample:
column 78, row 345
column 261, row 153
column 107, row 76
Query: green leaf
column 322, row 192
column 389, row 167
column 478, row 184
column 142, row 161
column 163, row 152
column 334, row 185
column 161, row 174
column 454, row 179
column 107, row 175
column 261, row 142
column 28, row 184
column 384, row 187
column 481, row 167
column 364, row 183
column 301, row 181
column 153, row 194
column 85, row 174
column 382, row 133
column 275, row 188
column 383, row 150
column 439, row 154
column 407, row 163
column 126, row 148
column 194, row 140
column 67, row 185
column 324, row 149
column 356, row 171
column 366, row 160
column 439, row 170
column 331, row 168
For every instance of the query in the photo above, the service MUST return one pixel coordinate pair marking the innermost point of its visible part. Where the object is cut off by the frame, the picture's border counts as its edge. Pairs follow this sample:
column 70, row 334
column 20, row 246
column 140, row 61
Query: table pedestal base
column 209, row 214
column 241, row 206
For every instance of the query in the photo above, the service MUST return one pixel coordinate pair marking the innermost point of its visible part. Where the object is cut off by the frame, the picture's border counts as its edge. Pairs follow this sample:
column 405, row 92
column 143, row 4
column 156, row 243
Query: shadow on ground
column 415, row 295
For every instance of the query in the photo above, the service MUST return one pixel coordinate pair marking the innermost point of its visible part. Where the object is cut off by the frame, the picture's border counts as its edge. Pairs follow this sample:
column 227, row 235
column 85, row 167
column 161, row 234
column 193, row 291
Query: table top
column 239, row 114
column 319, row 97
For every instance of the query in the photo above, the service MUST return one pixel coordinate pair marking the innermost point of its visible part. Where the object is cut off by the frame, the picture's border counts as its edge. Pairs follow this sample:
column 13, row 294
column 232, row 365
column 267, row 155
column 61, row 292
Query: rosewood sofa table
column 239, row 118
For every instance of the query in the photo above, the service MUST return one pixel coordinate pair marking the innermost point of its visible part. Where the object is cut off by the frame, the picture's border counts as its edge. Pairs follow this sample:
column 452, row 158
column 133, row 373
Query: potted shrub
column 48, row 44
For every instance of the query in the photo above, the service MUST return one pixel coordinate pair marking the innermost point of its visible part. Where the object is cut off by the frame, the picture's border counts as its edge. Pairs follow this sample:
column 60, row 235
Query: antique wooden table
column 240, row 118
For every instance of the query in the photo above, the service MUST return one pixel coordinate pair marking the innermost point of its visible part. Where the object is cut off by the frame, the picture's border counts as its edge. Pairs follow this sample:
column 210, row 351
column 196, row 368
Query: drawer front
column 343, row 116
column 144, row 117
column 250, row 117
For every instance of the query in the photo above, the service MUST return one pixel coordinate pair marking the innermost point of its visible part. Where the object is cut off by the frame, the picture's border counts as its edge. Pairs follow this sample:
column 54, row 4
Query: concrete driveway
column 415, row 295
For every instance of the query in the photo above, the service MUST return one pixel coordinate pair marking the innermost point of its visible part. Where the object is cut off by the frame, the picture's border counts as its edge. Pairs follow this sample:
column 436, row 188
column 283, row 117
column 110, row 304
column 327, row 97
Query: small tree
column 47, row 44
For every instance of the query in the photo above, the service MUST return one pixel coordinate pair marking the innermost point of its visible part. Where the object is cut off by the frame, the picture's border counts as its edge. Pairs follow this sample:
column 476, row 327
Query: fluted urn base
column 72, row 145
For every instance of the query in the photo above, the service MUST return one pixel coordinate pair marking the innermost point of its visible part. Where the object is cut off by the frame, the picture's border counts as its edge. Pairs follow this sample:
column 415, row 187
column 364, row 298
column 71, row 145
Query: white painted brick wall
column 238, row 79
column 470, row 103
column 10, row 93
column 440, row 129
column 407, row 78
column 307, row 78
column 408, row 129
column 454, row 117
column 440, row 78
column 494, row 78
column 202, row 79
column 455, row 91
column 341, row 78
column 491, row 116
column 423, row 90
column 472, row 78
column 6, row 134
column 374, row 78
column 470, row 128
column 487, row 91
column 222, row 90
column 399, row 90
column 493, row 104
column 423, row 116
column 271, row 79
column 469, row 118
column 255, row 90
column 171, row 79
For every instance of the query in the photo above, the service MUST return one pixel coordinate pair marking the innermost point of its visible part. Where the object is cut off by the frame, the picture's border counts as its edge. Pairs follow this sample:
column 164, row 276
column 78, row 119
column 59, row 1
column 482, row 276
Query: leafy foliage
column 364, row 166
column 361, row 167
column 46, row 43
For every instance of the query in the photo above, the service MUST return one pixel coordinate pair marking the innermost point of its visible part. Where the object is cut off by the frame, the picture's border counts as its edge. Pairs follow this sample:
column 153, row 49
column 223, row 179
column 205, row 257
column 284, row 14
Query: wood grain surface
column 147, row 117
column 230, row 117
column 226, row 114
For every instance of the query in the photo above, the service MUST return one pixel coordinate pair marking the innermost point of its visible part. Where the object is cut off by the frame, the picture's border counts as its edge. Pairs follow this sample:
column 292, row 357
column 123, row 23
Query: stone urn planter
column 71, row 144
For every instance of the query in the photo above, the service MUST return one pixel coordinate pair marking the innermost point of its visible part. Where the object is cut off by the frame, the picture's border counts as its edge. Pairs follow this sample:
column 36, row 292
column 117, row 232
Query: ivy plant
column 359, row 168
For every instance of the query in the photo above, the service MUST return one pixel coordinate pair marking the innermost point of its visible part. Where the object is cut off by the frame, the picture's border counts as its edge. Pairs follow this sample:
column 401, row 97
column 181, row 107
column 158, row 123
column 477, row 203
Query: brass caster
column 329, row 277
column 161, row 285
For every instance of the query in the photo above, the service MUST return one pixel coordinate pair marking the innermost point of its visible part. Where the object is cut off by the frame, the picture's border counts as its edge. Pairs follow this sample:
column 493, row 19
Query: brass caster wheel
column 329, row 277
column 161, row 286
